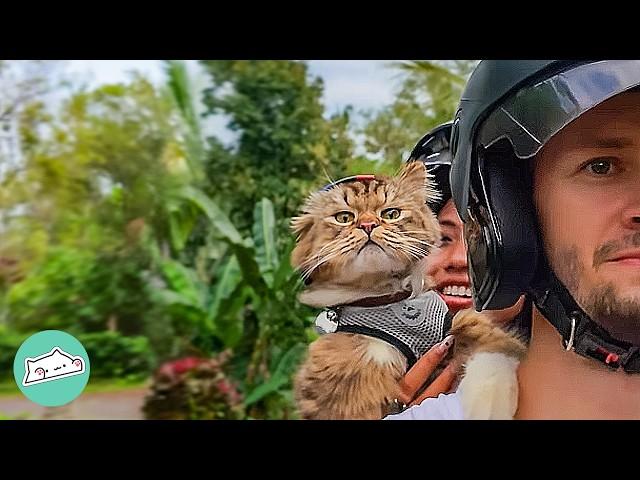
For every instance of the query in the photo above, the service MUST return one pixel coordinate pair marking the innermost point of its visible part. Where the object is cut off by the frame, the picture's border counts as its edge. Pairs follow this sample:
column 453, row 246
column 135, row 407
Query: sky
column 362, row 83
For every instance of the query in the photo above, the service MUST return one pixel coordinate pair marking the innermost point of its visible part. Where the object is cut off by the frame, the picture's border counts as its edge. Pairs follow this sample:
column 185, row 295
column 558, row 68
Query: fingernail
column 446, row 343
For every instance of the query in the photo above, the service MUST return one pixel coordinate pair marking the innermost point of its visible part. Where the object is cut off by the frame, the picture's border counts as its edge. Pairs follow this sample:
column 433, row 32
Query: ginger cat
column 363, row 243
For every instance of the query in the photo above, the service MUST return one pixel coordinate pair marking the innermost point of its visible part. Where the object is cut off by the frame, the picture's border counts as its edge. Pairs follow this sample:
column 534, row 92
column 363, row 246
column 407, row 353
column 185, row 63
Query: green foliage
column 95, row 174
column 112, row 355
column 33, row 305
column 286, row 366
column 251, row 308
column 428, row 97
column 115, row 356
column 10, row 342
column 123, row 226
column 181, row 92
column 91, row 293
column 284, row 142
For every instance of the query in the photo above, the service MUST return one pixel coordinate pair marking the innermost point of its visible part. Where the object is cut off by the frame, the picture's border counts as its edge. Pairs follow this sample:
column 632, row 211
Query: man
column 546, row 178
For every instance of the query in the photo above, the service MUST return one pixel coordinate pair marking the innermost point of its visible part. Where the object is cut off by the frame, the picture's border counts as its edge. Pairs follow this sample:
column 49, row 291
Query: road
column 117, row 405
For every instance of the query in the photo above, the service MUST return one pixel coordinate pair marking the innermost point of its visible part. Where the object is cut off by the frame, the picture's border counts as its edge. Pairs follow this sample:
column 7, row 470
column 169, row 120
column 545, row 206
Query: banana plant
column 253, row 278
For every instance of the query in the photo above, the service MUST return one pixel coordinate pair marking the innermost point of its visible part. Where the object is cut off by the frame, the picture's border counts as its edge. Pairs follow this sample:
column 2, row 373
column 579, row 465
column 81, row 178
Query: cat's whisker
column 309, row 271
column 411, row 248
column 423, row 242
column 326, row 174
column 415, row 238
column 319, row 260
column 419, row 252
column 405, row 254
column 395, row 237
column 400, row 246
column 417, row 246
column 332, row 246
column 408, row 254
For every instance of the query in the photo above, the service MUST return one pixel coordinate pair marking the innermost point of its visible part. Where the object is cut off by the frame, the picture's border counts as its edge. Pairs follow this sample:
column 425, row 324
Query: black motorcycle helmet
column 433, row 150
column 508, row 112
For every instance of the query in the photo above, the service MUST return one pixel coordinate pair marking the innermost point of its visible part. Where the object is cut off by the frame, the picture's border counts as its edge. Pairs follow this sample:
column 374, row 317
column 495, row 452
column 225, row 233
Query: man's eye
column 600, row 166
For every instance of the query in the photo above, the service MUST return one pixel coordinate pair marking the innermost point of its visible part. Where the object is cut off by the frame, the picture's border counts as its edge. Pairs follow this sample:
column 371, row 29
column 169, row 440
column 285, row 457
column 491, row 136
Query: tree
column 110, row 155
column 428, row 97
column 91, row 191
column 284, row 143
column 21, row 82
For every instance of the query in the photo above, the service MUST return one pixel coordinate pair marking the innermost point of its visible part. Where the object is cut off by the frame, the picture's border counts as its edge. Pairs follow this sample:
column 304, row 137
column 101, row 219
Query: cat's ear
column 414, row 177
column 414, row 173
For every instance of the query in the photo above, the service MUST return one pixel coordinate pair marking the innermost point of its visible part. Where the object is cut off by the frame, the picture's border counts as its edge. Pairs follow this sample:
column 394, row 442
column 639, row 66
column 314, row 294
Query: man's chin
column 617, row 311
column 626, row 281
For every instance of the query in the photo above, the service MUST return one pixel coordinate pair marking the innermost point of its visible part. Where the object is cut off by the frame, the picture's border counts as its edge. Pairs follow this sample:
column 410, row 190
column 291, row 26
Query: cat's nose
column 368, row 226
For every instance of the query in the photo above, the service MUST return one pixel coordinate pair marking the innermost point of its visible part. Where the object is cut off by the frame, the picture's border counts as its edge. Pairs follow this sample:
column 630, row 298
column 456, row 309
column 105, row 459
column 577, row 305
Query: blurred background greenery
column 164, row 250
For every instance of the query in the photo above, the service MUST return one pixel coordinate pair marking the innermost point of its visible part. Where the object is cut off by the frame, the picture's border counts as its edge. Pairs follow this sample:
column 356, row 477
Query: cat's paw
column 489, row 389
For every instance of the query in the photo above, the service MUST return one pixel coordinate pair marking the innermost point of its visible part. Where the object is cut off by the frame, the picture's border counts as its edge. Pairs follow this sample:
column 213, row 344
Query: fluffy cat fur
column 353, row 376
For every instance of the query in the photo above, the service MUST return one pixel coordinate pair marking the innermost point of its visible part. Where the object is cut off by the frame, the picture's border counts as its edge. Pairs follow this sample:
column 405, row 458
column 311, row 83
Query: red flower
column 180, row 366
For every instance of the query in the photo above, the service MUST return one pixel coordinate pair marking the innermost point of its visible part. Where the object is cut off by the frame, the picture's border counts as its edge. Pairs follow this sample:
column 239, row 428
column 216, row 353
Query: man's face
column 448, row 265
column 587, row 194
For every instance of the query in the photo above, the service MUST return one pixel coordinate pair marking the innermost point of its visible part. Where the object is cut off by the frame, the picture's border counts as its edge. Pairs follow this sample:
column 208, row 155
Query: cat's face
column 380, row 227
column 55, row 364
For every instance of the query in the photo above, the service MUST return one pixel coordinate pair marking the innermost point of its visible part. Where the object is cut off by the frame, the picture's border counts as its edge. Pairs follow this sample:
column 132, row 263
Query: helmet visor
column 529, row 118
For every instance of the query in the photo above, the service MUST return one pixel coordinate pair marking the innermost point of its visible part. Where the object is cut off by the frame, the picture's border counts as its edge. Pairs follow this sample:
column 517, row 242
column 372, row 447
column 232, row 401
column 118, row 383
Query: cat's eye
column 344, row 217
column 390, row 214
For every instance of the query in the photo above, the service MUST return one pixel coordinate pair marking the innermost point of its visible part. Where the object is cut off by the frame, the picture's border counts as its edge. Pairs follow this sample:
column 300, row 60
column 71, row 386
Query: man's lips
column 627, row 257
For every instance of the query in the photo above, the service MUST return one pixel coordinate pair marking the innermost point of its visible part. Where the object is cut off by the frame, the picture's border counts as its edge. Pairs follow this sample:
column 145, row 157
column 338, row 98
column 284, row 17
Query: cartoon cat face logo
column 50, row 366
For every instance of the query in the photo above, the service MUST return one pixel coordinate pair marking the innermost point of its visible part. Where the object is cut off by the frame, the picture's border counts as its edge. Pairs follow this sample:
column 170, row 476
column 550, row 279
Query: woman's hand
column 415, row 378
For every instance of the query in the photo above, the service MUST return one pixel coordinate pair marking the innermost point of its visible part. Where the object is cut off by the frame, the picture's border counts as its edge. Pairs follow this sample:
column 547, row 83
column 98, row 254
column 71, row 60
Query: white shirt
column 444, row 407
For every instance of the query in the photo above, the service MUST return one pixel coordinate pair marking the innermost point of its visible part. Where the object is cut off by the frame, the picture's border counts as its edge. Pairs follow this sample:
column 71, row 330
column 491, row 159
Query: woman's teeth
column 458, row 291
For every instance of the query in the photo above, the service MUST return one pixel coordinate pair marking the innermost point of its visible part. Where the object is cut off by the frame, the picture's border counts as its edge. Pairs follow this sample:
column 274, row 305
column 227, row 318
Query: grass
column 8, row 387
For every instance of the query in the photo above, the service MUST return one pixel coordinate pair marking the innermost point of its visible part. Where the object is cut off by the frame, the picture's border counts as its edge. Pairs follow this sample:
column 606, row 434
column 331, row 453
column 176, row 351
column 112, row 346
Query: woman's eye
column 344, row 217
column 390, row 214
column 446, row 240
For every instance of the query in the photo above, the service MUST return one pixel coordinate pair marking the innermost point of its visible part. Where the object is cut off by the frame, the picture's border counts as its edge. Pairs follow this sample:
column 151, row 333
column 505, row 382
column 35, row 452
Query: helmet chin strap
column 579, row 332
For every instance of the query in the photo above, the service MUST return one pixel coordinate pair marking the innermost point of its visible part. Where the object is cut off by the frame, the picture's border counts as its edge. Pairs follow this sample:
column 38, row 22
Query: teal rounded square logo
column 51, row 368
